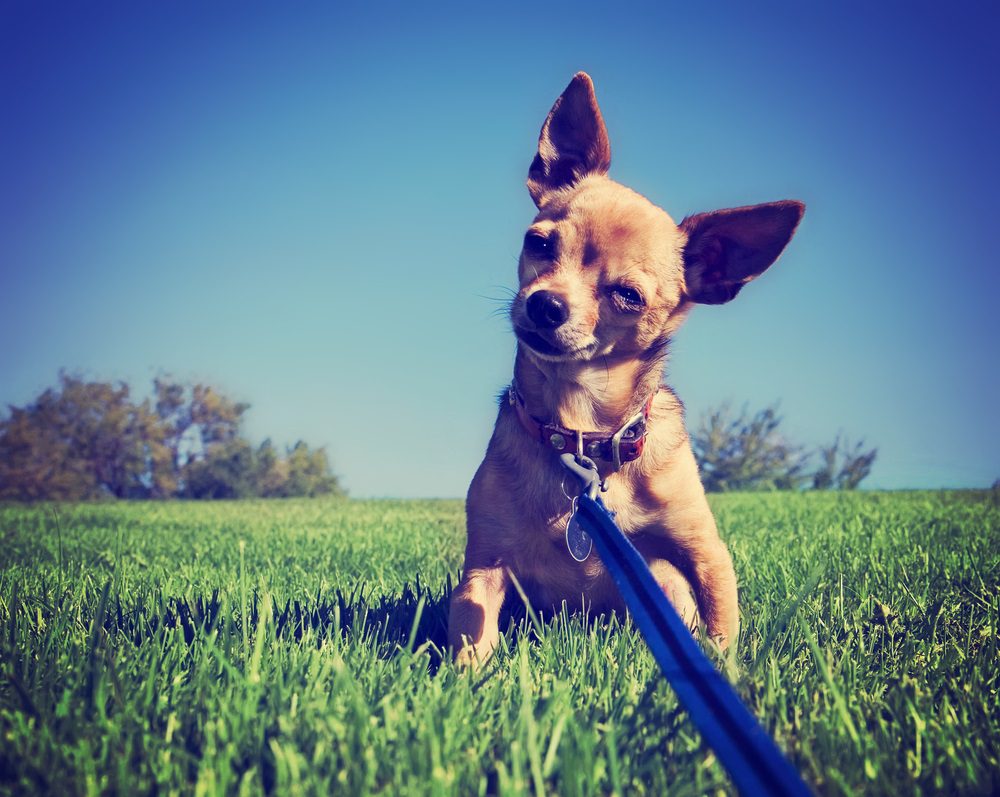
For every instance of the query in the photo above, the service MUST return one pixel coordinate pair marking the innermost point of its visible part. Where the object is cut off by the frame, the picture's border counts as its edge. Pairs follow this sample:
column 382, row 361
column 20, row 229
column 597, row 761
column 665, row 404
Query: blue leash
column 744, row 748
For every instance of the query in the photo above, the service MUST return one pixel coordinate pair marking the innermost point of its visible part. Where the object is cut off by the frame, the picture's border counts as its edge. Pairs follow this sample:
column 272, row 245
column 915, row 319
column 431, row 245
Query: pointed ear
column 728, row 248
column 573, row 142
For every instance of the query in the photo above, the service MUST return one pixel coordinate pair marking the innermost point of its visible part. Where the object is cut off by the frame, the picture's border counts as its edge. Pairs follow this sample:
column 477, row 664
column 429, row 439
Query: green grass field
column 296, row 647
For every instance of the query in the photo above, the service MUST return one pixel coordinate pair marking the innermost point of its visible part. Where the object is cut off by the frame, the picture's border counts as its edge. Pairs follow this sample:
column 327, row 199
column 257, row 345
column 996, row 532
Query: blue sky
column 317, row 208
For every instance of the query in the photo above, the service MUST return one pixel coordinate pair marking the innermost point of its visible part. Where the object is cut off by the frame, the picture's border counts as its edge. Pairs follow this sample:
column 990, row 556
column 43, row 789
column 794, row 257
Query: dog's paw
column 469, row 657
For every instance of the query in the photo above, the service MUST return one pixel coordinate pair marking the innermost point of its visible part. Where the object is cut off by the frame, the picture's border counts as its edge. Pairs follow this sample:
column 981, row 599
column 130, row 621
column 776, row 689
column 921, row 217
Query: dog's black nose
column 547, row 309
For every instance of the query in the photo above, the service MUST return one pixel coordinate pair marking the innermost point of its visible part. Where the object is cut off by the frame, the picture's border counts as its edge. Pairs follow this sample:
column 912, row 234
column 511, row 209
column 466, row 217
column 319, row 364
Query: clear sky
column 318, row 207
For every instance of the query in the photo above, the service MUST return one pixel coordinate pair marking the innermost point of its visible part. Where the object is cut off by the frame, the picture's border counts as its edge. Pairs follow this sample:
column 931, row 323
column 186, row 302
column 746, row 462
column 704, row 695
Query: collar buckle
column 634, row 427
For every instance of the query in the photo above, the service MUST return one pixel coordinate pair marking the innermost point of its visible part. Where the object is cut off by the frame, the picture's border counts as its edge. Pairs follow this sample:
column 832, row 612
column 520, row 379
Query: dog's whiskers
column 505, row 303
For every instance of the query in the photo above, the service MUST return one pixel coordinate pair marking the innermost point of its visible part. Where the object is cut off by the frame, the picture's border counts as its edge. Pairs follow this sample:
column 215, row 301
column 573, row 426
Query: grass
column 297, row 648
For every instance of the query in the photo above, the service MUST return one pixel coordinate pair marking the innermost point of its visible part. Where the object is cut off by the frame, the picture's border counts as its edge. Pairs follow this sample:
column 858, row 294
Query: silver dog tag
column 577, row 540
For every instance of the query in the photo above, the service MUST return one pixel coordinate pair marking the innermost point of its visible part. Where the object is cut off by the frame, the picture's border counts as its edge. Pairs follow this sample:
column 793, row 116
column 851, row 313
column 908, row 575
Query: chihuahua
column 606, row 277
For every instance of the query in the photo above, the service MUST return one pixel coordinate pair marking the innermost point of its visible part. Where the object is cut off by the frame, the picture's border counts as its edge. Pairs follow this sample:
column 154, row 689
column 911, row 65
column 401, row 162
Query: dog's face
column 600, row 273
column 605, row 272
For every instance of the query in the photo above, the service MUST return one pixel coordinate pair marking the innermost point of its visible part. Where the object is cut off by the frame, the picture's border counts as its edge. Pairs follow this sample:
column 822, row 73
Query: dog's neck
column 589, row 396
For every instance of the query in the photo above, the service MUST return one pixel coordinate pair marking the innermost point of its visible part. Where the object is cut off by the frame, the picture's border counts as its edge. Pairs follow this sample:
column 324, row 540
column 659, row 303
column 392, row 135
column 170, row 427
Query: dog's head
column 604, row 271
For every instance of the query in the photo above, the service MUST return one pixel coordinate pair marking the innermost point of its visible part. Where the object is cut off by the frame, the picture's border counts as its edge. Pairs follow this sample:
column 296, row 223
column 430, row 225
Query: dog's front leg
column 688, row 538
column 473, row 629
column 704, row 559
column 714, row 581
column 675, row 587
column 690, row 544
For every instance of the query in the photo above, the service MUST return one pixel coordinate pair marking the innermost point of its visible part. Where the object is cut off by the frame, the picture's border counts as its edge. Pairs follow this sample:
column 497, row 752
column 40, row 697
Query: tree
column 35, row 462
column 748, row 452
column 271, row 471
column 301, row 472
column 843, row 466
column 226, row 470
column 81, row 440
column 196, row 417
column 88, row 440
column 203, row 434
column 309, row 472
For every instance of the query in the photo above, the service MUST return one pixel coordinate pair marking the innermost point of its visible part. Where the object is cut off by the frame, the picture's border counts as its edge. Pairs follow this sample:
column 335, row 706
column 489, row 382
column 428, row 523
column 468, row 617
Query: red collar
column 625, row 445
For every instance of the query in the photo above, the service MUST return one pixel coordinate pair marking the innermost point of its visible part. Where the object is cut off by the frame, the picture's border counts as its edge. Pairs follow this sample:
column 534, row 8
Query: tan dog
column 606, row 277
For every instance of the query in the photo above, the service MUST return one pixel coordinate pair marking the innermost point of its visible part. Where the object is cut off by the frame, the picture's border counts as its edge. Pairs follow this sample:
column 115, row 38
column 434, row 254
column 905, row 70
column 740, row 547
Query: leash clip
column 585, row 469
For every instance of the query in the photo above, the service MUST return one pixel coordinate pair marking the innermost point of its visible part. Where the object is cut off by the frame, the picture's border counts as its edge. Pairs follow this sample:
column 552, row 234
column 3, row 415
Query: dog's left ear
column 573, row 142
column 727, row 248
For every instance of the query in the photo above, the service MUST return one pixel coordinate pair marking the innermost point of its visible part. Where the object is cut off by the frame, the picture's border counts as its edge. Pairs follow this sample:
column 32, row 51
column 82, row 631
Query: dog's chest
column 545, row 564
column 539, row 551
column 539, row 503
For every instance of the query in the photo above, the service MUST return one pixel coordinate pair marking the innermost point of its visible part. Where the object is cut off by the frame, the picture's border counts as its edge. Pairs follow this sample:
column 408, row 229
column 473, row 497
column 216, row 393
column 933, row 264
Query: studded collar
column 625, row 445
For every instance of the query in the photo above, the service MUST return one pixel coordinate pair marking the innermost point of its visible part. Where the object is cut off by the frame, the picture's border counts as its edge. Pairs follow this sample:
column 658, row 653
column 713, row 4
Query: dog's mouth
column 546, row 348
column 535, row 341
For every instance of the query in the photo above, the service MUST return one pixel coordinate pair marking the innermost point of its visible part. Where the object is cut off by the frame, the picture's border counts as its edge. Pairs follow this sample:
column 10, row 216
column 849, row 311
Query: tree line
column 747, row 451
column 84, row 440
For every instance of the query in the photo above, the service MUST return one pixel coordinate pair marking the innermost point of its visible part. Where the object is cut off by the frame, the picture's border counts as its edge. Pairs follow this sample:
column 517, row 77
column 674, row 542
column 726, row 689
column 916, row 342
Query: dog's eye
column 538, row 245
column 626, row 299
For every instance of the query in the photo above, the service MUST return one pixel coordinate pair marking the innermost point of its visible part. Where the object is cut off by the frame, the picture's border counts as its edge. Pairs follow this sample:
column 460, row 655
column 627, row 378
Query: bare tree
column 747, row 451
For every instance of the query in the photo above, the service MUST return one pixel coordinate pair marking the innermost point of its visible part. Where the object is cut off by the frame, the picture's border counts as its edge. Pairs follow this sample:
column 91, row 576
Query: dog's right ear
column 573, row 142
column 728, row 248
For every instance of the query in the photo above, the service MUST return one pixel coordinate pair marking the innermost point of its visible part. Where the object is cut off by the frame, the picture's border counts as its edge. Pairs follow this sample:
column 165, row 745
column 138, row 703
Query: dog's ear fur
column 573, row 142
column 726, row 249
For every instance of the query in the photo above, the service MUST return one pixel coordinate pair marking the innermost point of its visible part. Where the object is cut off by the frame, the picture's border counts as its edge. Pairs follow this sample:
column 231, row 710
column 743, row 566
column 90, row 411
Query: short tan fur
column 606, row 277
